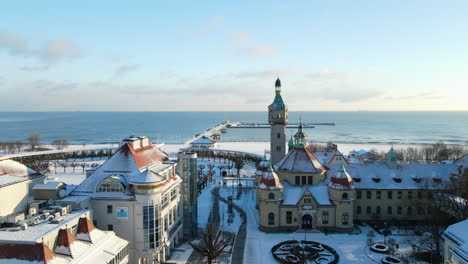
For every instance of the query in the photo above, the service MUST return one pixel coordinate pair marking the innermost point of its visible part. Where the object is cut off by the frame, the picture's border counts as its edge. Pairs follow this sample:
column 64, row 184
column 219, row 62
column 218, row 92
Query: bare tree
column 18, row 145
column 33, row 140
column 239, row 163
column 60, row 143
column 212, row 244
column 73, row 165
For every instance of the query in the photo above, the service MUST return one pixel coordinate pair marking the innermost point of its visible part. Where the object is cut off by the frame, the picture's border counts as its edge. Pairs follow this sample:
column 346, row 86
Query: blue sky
column 225, row 55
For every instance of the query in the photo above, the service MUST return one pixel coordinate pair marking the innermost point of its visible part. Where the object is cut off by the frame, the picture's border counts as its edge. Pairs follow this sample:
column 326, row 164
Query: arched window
column 112, row 184
column 271, row 196
column 271, row 218
column 344, row 196
column 358, row 209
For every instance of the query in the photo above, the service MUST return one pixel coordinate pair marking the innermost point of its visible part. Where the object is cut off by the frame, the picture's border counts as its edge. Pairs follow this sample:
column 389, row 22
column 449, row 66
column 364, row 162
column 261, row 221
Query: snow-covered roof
column 458, row 235
column 325, row 157
column 406, row 176
column 299, row 160
column 270, row 180
column 52, row 185
column 293, row 193
column 140, row 165
column 203, row 140
column 341, row 180
column 13, row 172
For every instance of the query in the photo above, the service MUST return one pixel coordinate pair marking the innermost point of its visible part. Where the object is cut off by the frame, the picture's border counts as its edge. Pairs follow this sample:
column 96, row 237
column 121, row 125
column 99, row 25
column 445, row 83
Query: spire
column 300, row 137
column 278, row 85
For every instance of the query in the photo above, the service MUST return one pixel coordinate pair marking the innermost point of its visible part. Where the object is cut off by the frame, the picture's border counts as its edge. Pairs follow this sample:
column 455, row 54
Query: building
column 136, row 194
column 16, row 183
column 324, row 191
column 36, row 227
column 187, row 170
column 203, row 142
column 456, row 243
column 278, row 119
column 60, row 238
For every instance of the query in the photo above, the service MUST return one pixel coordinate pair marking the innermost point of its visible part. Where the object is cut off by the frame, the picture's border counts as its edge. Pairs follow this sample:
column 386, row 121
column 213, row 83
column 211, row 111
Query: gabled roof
column 203, row 140
column 36, row 252
column 293, row 193
column 300, row 160
column 65, row 239
column 325, row 157
column 85, row 230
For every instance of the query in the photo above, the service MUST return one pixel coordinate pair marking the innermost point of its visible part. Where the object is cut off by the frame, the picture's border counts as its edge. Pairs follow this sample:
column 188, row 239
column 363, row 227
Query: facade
column 16, row 183
column 203, row 142
column 187, row 170
column 325, row 191
column 136, row 193
column 278, row 119
column 456, row 243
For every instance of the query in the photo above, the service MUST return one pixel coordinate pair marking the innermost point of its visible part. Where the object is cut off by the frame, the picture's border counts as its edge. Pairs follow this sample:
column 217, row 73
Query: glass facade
column 151, row 228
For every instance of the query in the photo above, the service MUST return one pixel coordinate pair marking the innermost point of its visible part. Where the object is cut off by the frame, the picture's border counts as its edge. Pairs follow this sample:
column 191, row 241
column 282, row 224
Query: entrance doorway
column 307, row 221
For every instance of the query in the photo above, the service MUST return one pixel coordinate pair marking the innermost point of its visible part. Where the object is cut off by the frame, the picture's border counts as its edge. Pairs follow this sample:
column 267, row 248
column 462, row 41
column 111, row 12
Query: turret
column 342, row 194
column 269, row 197
column 300, row 138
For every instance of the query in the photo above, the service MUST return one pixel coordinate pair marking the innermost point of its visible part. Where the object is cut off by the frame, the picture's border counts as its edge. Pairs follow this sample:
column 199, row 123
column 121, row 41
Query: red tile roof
column 85, row 226
column 36, row 252
column 146, row 156
column 65, row 238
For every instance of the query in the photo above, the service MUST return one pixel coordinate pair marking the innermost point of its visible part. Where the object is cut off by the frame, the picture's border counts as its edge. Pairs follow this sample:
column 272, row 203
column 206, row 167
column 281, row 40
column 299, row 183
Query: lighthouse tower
column 278, row 119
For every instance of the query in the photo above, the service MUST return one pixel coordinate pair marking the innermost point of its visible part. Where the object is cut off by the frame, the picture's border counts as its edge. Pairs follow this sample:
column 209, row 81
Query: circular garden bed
column 379, row 248
column 302, row 252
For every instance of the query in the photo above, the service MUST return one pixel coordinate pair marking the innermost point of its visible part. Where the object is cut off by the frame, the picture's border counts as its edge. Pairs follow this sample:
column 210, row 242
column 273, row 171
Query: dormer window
column 437, row 180
column 376, row 179
column 357, row 179
column 397, row 179
column 417, row 179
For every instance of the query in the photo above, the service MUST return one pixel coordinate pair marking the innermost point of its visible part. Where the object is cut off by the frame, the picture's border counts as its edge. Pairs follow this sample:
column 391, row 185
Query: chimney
column 144, row 141
column 135, row 142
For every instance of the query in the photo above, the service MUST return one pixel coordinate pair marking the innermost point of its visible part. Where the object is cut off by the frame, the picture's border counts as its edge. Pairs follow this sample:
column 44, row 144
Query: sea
column 359, row 127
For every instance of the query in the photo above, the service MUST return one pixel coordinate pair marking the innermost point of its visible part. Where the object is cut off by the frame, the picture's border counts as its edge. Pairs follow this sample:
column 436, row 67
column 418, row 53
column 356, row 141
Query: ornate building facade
column 324, row 191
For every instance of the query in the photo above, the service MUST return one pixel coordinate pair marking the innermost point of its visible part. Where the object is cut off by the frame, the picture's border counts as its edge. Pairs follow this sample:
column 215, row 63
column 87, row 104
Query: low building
column 203, row 142
column 16, row 183
column 456, row 243
column 60, row 238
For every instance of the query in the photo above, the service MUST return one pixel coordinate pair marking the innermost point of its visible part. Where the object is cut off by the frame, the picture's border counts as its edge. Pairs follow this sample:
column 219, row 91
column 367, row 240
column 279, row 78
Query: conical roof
column 262, row 166
column 341, row 180
column 270, row 180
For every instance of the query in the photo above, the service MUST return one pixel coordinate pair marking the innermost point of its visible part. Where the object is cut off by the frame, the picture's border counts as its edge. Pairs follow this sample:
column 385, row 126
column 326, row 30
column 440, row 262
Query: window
column 389, row 210
column 309, row 179
column 150, row 226
column 109, row 209
column 369, row 195
column 288, row 217
column 410, row 195
column 112, row 184
column 110, row 227
column 399, row 195
column 379, row 195
column 377, row 210
column 420, row 210
column 344, row 219
column 344, row 196
column 390, row 195
column 420, row 195
column 304, row 178
column 271, row 196
column 359, row 195
column 368, row 210
column 307, row 200
column 410, row 210
column 271, row 218
column 399, row 209
column 358, row 209
column 165, row 201
column 278, row 148
column 325, row 217
column 174, row 192
column 278, row 135
column 298, row 180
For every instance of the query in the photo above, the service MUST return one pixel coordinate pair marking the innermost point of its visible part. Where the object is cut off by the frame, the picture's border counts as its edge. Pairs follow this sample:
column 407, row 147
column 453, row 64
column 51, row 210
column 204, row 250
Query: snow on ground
column 352, row 248
column 180, row 254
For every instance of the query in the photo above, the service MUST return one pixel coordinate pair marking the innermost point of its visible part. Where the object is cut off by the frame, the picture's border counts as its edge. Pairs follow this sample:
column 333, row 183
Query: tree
column 239, row 163
column 33, row 140
column 60, row 143
column 212, row 244
column 18, row 145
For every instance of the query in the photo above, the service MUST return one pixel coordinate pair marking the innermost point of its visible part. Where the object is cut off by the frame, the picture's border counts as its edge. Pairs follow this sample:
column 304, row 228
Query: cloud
column 241, row 37
column 214, row 23
column 59, row 49
column 124, row 70
column 266, row 74
column 260, row 51
column 426, row 95
column 49, row 53
column 329, row 75
column 13, row 44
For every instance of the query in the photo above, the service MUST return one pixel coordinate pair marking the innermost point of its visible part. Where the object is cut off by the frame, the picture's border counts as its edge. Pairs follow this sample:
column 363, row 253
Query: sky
column 331, row 55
